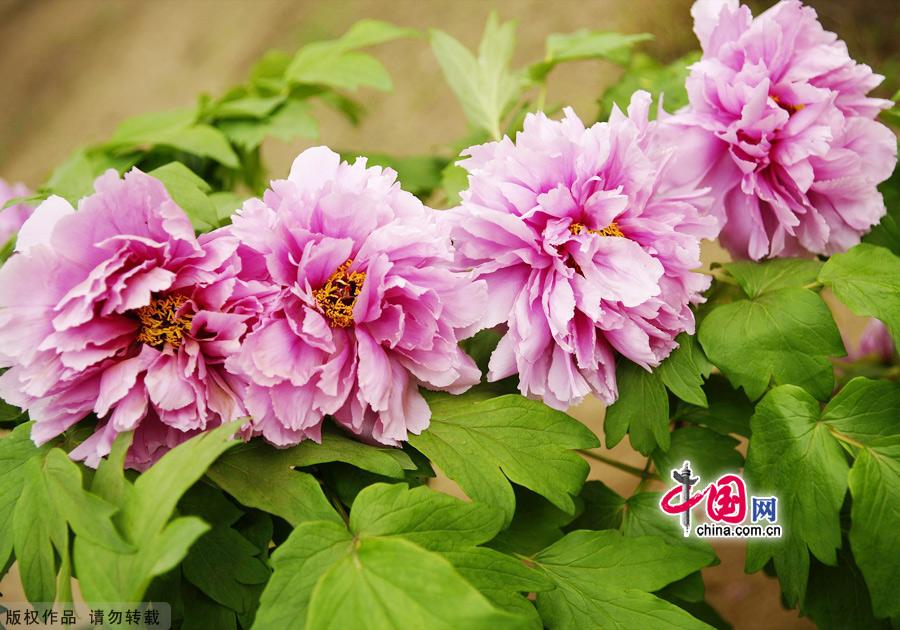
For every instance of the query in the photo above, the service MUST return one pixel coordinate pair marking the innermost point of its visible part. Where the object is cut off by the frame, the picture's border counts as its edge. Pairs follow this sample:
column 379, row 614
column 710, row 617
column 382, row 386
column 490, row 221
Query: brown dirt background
column 72, row 69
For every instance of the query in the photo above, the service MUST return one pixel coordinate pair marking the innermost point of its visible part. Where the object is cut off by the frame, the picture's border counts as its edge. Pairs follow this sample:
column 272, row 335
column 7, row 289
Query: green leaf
column 785, row 335
column 644, row 518
column 293, row 495
column 15, row 451
column 178, row 130
column 481, row 443
column 603, row 580
column 38, row 529
column 109, row 481
column 485, row 86
column 247, row 107
column 887, row 232
column 728, row 409
column 780, row 273
column 454, row 180
column 502, row 579
column 585, row 44
column 326, row 64
column 794, row 456
column 867, row 279
column 866, row 413
column 106, row 576
column 89, row 515
column 837, row 597
column 430, row 519
column 371, row 32
column 536, row 524
column 392, row 583
column 382, row 578
column 224, row 565
column 337, row 447
column 642, row 410
column 645, row 73
column 711, row 454
column 602, row 508
column 292, row 120
column 73, row 179
column 189, row 192
column 684, row 371
column 299, row 563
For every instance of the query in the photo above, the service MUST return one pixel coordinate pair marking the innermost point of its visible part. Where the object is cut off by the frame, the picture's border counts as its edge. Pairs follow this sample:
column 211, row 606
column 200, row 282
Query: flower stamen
column 790, row 109
column 338, row 296
column 610, row 230
column 160, row 322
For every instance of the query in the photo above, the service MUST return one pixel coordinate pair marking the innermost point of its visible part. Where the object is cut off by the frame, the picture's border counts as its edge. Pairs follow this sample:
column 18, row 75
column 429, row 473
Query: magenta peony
column 586, row 239
column 875, row 342
column 12, row 218
column 118, row 309
column 784, row 131
column 369, row 307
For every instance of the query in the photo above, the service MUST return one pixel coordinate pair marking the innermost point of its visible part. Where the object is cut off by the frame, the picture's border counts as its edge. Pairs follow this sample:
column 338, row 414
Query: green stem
column 813, row 286
column 720, row 277
column 632, row 470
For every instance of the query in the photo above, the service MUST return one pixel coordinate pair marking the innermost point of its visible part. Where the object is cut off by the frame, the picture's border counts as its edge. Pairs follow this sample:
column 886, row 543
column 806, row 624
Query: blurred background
column 72, row 69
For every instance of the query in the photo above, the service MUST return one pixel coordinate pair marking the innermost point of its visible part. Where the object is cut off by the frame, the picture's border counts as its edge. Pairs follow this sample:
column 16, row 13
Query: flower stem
column 813, row 286
column 632, row 470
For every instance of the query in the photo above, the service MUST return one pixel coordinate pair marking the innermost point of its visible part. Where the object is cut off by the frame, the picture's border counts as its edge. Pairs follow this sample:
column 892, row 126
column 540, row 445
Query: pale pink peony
column 781, row 125
column 369, row 308
column 12, row 218
column 119, row 310
column 586, row 239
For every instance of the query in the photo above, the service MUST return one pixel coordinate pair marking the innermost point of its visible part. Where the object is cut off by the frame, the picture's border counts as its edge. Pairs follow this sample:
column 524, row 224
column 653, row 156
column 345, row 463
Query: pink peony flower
column 586, row 239
column 12, row 218
column 784, row 131
column 369, row 307
column 118, row 309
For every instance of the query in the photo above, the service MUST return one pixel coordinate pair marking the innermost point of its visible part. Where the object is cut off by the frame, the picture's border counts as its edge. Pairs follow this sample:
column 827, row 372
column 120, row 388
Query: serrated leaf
column 642, row 410
column 780, row 273
column 837, row 597
column 106, row 576
column 684, row 371
column 602, row 580
column 292, row 120
column 224, row 565
column 430, row 519
column 392, row 583
column 867, row 279
column 711, row 454
column 502, row 579
column 189, row 192
column 481, row 443
column 644, row 518
column 783, row 336
column 485, row 86
column 293, row 495
column 602, row 508
column 336, row 447
column 536, row 524
column 868, row 413
column 887, row 232
column 38, row 529
column 585, row 44
column 728, row 409
column 15, row 451
column 794, row 456
column 379, row 576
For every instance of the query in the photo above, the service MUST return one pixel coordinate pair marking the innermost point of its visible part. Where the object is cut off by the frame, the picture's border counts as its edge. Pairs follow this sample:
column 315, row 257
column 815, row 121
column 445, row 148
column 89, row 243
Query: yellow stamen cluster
column 610, row 230
column 790, row 109
column 160, row 322
column 338, row 297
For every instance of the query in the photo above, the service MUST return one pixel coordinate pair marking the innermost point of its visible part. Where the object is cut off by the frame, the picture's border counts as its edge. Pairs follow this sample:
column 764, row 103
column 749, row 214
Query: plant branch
column 632, row 470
